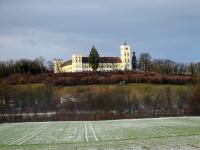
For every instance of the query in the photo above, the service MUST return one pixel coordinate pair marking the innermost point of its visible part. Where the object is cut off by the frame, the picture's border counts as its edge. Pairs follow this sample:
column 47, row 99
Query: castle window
column 127, row 48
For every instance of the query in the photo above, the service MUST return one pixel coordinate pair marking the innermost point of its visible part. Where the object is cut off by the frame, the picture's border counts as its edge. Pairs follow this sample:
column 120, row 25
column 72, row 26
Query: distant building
column 2, row 101
column 78, row 63
column 68, row 98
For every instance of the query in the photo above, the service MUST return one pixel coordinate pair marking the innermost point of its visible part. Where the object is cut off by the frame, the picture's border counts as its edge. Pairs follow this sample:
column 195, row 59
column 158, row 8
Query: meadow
column 137, row 89
column 158, row 133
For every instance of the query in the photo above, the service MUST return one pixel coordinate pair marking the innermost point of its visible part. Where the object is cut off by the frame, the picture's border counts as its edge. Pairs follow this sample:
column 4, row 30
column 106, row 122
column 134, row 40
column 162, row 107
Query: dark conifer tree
column 134, row 61
column 94, row 58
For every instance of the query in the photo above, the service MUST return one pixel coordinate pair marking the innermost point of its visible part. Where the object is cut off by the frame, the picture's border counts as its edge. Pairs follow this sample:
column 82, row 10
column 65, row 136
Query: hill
column 88, row 78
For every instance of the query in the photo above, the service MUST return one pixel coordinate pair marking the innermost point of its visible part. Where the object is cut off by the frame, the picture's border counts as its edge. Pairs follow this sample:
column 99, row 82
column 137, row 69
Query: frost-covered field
column 163, row 133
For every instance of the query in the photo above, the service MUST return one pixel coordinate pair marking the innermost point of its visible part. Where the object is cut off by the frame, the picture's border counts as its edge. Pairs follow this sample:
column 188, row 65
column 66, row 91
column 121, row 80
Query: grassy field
column 161, row 133
column 135, row 88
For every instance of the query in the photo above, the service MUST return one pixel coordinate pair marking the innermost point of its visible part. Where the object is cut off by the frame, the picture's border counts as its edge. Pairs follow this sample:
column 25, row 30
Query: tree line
column 96, row 103
column 26, row 99
column 124, row 103
column 25, row 66
column 163, row 66
column 143, row 63
column 146, row 63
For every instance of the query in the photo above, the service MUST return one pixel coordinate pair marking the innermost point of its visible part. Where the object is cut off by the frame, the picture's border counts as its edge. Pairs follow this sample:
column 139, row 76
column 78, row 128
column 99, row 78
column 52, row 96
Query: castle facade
column 78, row 63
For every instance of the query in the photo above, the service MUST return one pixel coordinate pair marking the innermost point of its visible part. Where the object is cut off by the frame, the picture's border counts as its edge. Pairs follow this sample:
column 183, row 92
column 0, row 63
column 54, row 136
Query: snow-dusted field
column 163, row 133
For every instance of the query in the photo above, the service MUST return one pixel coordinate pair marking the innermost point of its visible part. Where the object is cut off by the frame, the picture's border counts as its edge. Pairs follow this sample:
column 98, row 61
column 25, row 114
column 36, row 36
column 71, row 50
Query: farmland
column 158, row 133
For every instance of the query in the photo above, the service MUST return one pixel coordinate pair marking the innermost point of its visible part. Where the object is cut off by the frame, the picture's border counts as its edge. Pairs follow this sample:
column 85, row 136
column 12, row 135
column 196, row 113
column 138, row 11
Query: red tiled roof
column 104, row 60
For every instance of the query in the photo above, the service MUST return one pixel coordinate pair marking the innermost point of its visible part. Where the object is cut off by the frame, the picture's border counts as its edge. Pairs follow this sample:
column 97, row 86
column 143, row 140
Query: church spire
column 125, row 43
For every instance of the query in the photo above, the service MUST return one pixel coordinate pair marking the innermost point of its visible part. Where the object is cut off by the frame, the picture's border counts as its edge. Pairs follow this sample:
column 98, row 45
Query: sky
column 167, row 29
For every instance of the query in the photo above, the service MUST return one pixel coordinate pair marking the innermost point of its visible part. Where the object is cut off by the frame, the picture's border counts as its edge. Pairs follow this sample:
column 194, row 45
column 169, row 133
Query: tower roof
column 104, row 60
column 125, row 43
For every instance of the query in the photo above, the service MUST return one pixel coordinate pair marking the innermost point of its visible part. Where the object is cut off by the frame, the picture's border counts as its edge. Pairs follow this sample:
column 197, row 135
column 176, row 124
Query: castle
column 78, row 63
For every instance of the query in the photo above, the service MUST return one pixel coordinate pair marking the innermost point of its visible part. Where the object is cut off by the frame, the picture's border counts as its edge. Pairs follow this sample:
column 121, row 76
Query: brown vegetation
column 23, row 103
column 87, row 78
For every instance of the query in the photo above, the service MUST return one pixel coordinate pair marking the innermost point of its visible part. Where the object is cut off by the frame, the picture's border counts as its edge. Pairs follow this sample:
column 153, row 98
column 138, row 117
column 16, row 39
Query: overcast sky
column 59, row 28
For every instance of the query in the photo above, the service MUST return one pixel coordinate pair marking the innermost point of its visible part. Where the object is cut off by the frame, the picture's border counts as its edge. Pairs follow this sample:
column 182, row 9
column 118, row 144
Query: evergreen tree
column 134, row 61
column 94, row 58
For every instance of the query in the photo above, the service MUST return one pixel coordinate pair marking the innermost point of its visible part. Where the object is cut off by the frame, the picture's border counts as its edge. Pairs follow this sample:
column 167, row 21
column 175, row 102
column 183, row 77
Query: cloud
column 51, row 28
column 31, row 43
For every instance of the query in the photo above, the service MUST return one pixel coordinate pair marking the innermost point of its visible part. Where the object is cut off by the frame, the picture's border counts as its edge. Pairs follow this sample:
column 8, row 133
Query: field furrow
column 163, row 133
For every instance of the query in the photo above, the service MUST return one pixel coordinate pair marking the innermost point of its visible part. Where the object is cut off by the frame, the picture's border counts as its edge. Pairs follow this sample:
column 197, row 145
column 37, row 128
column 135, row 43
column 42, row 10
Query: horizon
column 52, row 29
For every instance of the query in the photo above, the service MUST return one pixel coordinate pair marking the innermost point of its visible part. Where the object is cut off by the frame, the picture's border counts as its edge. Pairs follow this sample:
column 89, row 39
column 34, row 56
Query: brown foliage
column 86, row 78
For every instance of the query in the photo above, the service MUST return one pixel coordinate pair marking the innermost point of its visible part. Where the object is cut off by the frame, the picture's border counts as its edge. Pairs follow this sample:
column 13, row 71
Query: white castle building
column 78, row 63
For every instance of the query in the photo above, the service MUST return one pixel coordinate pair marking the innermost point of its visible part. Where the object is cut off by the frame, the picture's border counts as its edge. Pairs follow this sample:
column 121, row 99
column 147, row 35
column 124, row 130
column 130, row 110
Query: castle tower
column 126, row 56
column 77, row 63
